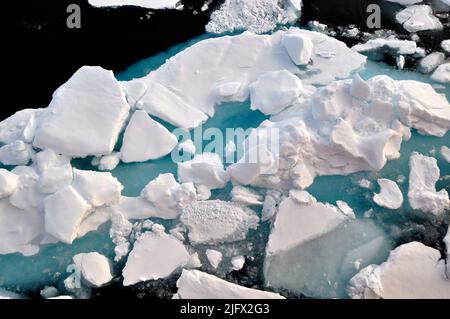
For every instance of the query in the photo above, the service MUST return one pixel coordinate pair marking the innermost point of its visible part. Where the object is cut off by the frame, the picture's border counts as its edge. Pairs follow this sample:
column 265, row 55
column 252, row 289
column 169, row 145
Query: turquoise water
column 30, row 274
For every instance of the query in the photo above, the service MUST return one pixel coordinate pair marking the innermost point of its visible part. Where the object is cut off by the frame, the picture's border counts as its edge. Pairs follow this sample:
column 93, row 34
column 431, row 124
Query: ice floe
column 429, row 63
column 299, row 48
column 445, row 152
column 85, row 115
column 335, row 133
column 16, row 153
column 390, row 195
column 214, row 257
column 258, row 16
column 194, row 284
column 8, row 183
column 422, row 194
column 155, row 255
column 238, row 262
column 413, row 271
column 145, row 139
column 150, row 4
column 183, row 91
column 95, row 269
column 216, row 221
column 442, row 73
column 166, row 194
column 445, row 45
column 313, row 248
column 418, row 18
column 205, row 169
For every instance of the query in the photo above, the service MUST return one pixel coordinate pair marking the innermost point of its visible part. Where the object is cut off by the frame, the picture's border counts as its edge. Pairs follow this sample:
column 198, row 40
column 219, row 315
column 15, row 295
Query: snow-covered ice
column 418, row 18
column 214, row 257
column 150, row 4
column 274, row 91
column 413, row 271
column 217, row 221
column 95, row 269
column 154, row 256
column 238, row 262
column 422, row 194
column 299, row 48
column 431, row 62
column 145, row 139
column 258, row 16
column 8, row 183
column 85, row 115
column 442, row 73
column 390, row 195
column 445, row 152
column 194, row 284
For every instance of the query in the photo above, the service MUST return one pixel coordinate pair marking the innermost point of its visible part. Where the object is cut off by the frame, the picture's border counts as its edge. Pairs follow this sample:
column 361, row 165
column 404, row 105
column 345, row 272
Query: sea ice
column 274, row 91
column 445, row 152
column 85, row 115
column 205, row 169
column 95, row 269
column 214, row 257
column 154, row 256
column 442, row 73
column 431, row 62
column 390, row 195
column 413, row 271
column 16, row 153
column 313, row 248
column 150, row 4
column 217, row 221
column 19, row 126
column 145, row 139
column 64, row 212
column 418, row 18
column 166, row 194
column 422, row 194
column 238, row 262
column 8, row 183
column 299, row 48
column 258, row 16
column 194, row 284
column 445, row 45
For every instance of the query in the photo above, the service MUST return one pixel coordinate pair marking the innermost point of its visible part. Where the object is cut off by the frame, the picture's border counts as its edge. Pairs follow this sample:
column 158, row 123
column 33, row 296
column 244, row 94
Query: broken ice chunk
column 107, row 162
column 418, row 18
column 275, row 91
column 214, row 257
column 359, row 89
column 390, row 195
column 445, row 152
column 238, row 262
column 299, row 48
column 96, row 269
column 154, row 256
column 64, row 212
column 431, row 62
column 422, row 194
column 8, row 183
column 15, row 153
column 413, row 271
column 145, row 139
column 194, row 284
column 205, row 169
column 166, row 194
column 442, row 73
column 245, row 196
column 85, row 115
column 13, row 128
column 217, row 221
column 97, row 188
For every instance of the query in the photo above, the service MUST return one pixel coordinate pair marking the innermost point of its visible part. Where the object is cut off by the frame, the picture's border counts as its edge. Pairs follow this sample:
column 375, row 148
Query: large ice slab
column 422, row 194
column 154, row 256
column 145, row 139
column 189, row 85
column 413, row 271
column 194, row 284
column 217, row 221
column 95, row 268
column 314, row 249
column 85, row 115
